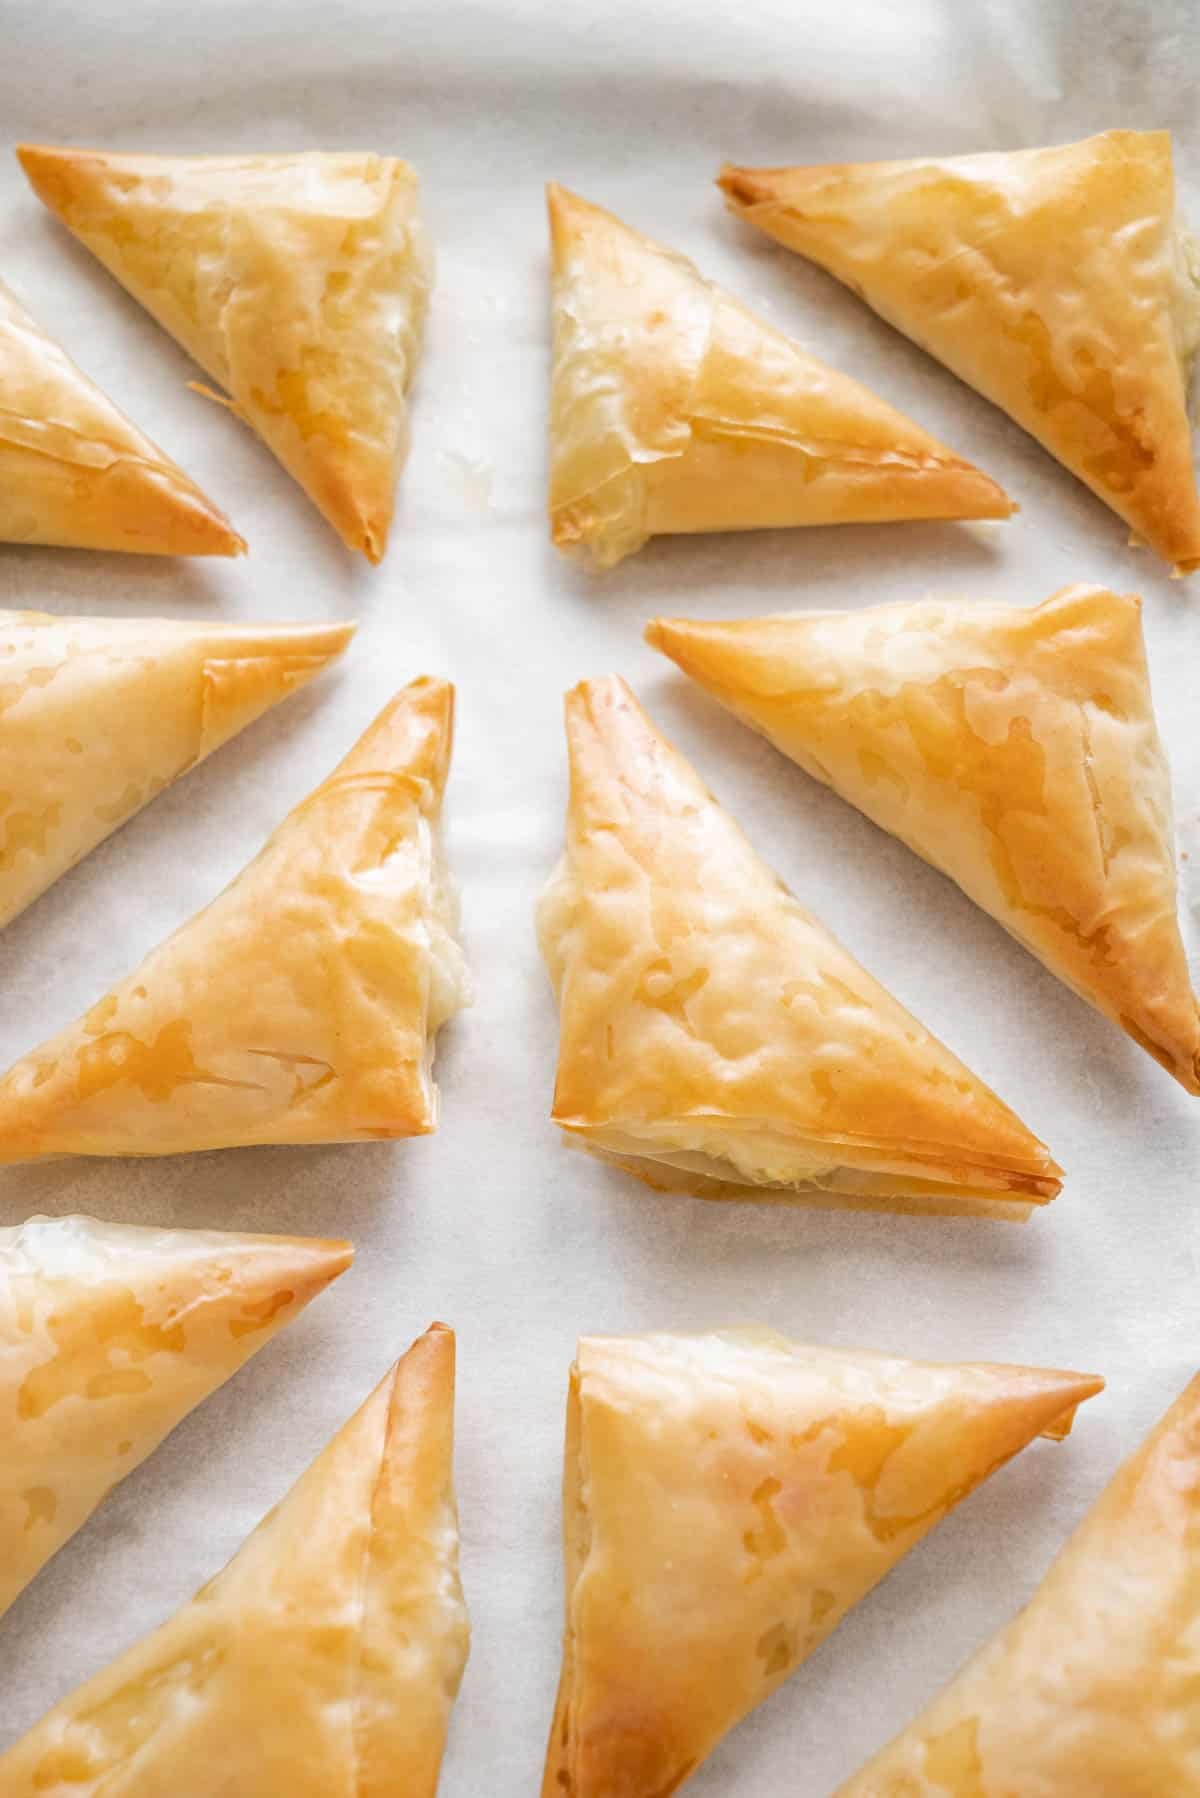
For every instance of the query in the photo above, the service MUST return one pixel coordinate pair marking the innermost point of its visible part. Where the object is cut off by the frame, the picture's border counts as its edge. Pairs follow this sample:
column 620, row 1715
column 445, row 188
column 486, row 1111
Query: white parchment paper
column 491, row 1224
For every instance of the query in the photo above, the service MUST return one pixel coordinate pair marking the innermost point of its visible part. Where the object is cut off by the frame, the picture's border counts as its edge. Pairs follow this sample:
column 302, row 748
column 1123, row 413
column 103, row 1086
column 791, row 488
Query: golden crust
column 98, row 715
column 1016, row 750
column 1091, row 1691
column 674, row 409
column 727, row 1499
column 109, row 1335
column 324, row 1659
column 301, row 1005
column 76, row 473
column 300, row 283
column 1058, row 282
column 709, row 1021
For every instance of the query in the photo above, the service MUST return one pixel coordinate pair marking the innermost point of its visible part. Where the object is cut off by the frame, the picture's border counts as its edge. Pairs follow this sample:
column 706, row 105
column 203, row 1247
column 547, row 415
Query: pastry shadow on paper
column 682, row 1237
column 37, row 578
column 323, row 1189
column 107, row 583
column 785, row 568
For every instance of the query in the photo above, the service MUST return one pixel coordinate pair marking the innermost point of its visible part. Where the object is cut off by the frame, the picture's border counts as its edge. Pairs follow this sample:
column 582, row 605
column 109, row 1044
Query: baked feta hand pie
column 301, row 1006
column 675, row 409
column 109, row 1335
column 1061, row 283
column 1091, row 1691
column 727, row 1498
column 1016, row 750
column 97, row 715
column 76, row 473
column 324, row 1659
column 299, row 283
column 715, row 1038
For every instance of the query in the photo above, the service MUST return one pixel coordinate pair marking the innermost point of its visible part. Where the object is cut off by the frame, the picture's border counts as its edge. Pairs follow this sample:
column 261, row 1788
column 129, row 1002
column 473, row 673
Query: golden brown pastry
column 1016, row 750
column 301, row 1006
column 727, row 1498
column 109, row 1335
column 1061, row 283
column 298, row 282
column 76, row 473
column 1091, row 1691
column 714, row 1036
column 326, row 1656
column 98, row 715
column 674, row 409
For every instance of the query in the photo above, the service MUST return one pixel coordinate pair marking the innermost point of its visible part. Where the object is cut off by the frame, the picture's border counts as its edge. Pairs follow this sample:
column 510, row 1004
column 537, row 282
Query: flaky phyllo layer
column 1090, row 1692
column 109, row 1335
column 674, row 409
column 727, row 1499
column 1058, row 282
column 715, row 1037
column 100, row 714
column 299, row 283
column 1015, row 749
column 326, row 1656
column 75, row 471
column 302, row 1004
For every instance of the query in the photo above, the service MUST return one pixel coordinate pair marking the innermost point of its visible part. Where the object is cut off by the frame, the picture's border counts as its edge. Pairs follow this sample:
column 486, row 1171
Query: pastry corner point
column 742, row 187
column 1082, row 1387
column 332, row 1255
column 424, row 1375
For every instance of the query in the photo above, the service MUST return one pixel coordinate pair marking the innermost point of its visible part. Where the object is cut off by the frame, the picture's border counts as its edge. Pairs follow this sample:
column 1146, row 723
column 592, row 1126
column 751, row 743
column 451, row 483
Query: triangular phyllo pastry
column 109, row 1335
column 727, row 1499
column 301, row 1006
column 323, row 1660
column 1016, row 750
column 1091, row 1691
column 97, row 715
column 1061, row 283
column 74, row 472
column 675, row 409
column 715, row 1037
column 299, row 283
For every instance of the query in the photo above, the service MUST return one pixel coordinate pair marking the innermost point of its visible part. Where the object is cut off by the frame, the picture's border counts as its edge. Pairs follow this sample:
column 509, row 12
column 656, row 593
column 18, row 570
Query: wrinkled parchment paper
column 491, row 1224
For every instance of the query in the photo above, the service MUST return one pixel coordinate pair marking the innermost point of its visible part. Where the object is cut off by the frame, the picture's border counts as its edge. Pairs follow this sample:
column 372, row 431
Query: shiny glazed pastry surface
column 322, row 1662
column 1091, row 1691
column 302, row 1004
column 675, row 409
column 1060, row 282
column 716, row 1037
column 76, row 473
column 97, row 715
column 727, row 1498
column 299, row 283
column 109, row 1335
column 1016, row 750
